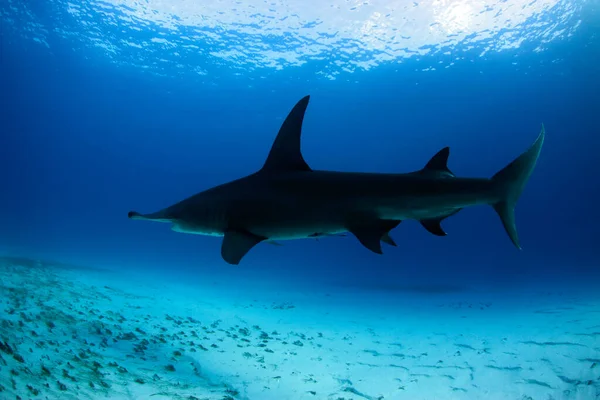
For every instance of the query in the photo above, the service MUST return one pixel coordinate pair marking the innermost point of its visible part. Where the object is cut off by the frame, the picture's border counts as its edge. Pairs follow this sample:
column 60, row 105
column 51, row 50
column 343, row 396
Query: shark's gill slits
column 217, row 217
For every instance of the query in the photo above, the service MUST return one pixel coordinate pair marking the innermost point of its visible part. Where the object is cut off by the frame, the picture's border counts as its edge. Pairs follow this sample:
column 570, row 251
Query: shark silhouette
column 286, row 199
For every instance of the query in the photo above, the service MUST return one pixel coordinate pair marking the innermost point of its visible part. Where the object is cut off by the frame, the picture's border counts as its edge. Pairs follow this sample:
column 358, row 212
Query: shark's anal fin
column 236, row 244
column 370, row 233
column 433, row 225
column 285, row 154
column 438, row 164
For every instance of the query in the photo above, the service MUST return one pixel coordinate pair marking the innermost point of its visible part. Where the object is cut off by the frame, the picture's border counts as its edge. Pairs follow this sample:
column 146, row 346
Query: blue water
column 120, row 105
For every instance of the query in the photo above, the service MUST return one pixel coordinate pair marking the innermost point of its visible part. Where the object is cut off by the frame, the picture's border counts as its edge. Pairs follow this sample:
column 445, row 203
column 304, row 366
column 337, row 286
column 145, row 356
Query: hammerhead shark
column 286, row 199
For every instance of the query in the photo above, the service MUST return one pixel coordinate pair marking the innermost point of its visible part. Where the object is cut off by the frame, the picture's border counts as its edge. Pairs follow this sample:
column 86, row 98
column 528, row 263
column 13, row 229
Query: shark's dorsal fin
column 285, row 154
column 439, row 163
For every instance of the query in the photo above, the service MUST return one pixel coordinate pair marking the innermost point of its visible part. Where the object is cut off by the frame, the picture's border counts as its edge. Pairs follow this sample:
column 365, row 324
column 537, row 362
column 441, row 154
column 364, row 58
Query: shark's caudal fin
column 285, row 154
column 510, row 181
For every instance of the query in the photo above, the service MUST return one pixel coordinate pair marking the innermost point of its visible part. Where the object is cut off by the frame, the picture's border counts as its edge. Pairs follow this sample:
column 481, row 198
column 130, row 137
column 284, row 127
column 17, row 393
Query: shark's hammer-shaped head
column 199, row 214
column 207, row 213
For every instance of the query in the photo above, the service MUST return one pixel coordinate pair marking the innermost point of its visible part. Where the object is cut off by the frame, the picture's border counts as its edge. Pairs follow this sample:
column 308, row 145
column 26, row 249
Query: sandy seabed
column 68, row 332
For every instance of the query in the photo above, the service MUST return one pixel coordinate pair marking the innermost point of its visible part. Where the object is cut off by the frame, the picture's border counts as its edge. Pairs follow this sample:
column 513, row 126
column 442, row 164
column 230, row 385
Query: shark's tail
column 509, row 183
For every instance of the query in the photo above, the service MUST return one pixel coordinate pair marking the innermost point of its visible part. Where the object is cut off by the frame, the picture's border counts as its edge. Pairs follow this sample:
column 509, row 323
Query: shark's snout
column 159, row 216
column 133, row 214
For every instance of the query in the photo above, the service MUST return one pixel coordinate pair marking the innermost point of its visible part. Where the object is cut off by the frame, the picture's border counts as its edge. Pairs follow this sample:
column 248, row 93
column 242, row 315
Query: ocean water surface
column 118, row 105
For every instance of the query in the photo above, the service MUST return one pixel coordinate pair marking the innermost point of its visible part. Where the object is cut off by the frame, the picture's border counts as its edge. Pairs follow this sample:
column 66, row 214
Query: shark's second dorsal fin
column 439, row 163
column 285, row 154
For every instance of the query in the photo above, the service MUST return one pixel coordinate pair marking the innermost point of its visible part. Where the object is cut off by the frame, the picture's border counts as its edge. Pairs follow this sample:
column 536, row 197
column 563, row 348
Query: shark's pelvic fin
column 386, row 238
column 510, row 182
column 370, row 233
column 236, row 244
column 439, row 163
column 285, row 154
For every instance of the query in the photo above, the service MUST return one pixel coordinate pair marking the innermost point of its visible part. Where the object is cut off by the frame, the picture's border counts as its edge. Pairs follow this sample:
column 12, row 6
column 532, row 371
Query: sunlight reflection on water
column 344, row 35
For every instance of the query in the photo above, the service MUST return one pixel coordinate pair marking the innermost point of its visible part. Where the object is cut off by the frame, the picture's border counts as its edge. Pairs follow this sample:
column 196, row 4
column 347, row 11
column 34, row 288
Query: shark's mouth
column 182, row 228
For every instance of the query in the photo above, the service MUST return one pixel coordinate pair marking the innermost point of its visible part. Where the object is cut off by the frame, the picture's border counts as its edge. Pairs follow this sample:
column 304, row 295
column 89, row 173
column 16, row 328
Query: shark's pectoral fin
column 370, row 233
column 433, row 225
column 236, row 244
column 439, row 164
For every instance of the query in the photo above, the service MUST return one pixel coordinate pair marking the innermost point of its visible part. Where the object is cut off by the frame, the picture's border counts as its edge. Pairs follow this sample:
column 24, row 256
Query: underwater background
column 109, row 106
